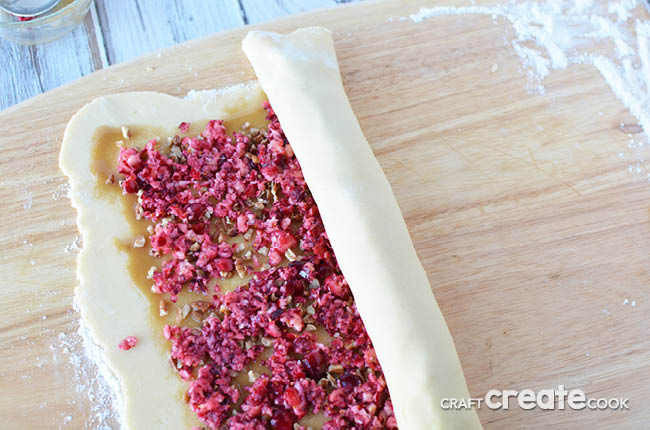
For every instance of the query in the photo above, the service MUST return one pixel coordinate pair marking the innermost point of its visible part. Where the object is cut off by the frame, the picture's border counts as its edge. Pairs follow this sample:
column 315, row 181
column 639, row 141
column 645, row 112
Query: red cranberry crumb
column 315, row 365
column 205, row 196
column 128, row 343
column 184, row 126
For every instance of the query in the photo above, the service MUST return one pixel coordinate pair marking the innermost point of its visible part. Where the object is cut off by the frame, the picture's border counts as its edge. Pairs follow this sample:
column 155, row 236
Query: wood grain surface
column 117, row 31
column 530, row 212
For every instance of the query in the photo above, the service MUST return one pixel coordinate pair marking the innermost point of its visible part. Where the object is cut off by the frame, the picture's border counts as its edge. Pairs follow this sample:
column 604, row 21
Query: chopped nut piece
column 200, row 305
column 331, row 379
column 126, row 133
column 310, row 327
column 266, row 341
column 335, row 369
column 290, row 255
column 176, row 152
column 139, row 242
column 163, row 308
column 182, row 313
column 151, row 271
column 263, row 250
column 274, row 191
column 311, row 310
column 172, row 363
column 197, row 316
column 252, row 376
column 309, row 319
column 241, row 270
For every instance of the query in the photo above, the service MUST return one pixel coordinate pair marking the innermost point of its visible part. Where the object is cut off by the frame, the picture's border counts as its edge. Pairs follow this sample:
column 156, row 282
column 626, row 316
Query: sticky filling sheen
column 243, row 284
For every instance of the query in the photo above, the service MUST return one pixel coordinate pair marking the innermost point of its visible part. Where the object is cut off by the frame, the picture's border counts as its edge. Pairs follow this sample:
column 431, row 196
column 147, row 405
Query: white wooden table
column 118, row 30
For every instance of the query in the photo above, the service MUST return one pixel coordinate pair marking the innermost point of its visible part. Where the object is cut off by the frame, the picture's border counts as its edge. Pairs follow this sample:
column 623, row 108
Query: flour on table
column 627, row 301
column 28, row 199
column 61, row 190
column 555, row 34
column 212, row 94
column 96, row 385
column 74, row 247
column 209, row 97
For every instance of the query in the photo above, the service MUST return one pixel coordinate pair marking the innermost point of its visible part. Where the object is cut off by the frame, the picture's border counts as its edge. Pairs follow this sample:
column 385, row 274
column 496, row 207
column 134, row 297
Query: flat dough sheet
column 110, row 303
column 299, row 72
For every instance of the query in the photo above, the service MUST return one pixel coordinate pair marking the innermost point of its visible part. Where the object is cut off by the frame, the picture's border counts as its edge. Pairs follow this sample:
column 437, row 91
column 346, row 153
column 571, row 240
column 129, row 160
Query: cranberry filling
column 200, row 195
column 128, row 343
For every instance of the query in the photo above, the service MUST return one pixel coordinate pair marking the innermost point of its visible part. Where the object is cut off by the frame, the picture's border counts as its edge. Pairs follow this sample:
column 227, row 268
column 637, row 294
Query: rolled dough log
column 299, row 73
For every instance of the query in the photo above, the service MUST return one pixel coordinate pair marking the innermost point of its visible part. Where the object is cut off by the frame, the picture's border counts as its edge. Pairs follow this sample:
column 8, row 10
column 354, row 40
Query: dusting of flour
column 97, row 387
column 212, row 94
column 210, row 97
column 554, row 34
column 105, row 387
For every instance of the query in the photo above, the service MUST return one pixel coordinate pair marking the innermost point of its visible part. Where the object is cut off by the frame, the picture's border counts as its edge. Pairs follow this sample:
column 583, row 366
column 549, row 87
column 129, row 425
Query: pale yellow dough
column 299, row 72
column 110, row 303
column 300, row 76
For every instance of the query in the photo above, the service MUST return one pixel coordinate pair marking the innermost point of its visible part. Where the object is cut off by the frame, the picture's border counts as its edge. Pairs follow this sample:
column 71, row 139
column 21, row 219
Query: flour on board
column 564, row 33
column 97, row 387
column 210, row 97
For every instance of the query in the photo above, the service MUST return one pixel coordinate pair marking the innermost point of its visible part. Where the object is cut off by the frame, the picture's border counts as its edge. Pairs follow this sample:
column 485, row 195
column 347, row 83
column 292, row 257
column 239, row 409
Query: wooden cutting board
column 527, row 211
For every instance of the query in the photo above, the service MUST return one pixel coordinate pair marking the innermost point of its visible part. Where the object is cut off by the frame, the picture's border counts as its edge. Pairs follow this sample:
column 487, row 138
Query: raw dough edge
column 299, row 73
column 109, row 302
